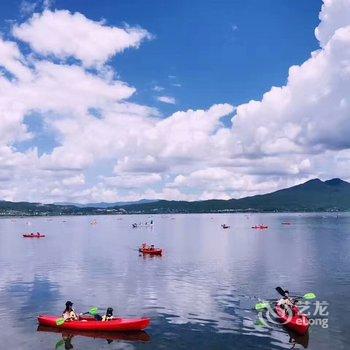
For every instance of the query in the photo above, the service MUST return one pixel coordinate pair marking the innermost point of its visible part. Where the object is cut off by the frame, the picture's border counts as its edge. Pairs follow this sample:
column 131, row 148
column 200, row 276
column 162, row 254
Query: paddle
column 260, row 323
column 59, row 344
column 281, row 291
column 60, row 321
column 265, row 304
column 262, row 306
column 93, row 311
column 307, row 296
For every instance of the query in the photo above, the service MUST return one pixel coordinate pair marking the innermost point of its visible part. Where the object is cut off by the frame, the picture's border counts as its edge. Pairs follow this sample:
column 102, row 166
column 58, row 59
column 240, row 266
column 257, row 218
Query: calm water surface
column 200, row 294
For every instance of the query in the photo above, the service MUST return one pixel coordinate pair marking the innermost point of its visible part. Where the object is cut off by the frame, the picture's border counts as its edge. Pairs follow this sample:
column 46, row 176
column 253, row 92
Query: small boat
column 33, row 235
column 154, row 251
column 225, row 226
column 145, row 224
column 151, row 250
column 298, row 323
column 260, row 227
column 90, row 324
column 286, row 223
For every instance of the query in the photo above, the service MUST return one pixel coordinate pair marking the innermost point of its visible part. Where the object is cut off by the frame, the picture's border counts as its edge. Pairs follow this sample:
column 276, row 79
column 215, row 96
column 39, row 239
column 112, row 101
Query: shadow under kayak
column 141, row 336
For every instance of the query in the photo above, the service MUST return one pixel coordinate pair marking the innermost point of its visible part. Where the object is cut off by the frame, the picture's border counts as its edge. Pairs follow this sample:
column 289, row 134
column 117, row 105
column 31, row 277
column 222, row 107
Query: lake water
column 199, row 295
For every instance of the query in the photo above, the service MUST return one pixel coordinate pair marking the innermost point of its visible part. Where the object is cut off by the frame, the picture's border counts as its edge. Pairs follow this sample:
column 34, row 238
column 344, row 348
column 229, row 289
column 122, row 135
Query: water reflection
column 199, row 295
column 150, row 256
column 263, row 325
column 297, row 339
column 67, row 336
column 40, row 290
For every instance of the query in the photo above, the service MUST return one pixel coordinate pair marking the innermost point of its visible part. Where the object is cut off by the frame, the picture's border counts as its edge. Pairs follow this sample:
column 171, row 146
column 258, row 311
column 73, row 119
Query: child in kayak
column 108, row 316
column 69, row 313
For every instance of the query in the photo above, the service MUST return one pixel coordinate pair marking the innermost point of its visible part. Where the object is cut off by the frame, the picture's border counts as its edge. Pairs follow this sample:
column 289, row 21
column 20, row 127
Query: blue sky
column 96, row 78
column 226, row 51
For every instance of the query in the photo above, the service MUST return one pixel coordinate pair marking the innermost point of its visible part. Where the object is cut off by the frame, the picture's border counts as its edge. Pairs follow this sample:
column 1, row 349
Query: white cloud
column 127, row 151
column 310, row 113
column 12, row 60
column 158, row 88
column 334, row 15
column 132, row 180
column 63, row 34
column 76, row 180
column 166, row 99
column 48, row 3
column 27, row 7
column 143, row 164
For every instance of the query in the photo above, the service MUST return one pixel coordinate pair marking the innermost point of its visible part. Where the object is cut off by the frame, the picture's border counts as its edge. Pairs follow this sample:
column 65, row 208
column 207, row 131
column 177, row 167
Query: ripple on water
column 200, row 294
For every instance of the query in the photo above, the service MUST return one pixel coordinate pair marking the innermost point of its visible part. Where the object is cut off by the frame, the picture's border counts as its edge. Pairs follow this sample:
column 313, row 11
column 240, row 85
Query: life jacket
column 69, row 315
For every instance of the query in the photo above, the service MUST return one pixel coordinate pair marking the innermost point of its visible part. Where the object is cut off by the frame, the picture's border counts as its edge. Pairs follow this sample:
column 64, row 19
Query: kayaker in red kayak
column 108, row 316
column 287, row 303
column 69, row 313
column 147, row 247
column 151, row 250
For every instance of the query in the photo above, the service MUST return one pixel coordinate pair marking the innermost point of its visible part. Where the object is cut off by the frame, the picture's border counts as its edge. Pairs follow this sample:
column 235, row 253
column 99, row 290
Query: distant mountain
column 27, row 208
column 313, row 195
column 107, row 205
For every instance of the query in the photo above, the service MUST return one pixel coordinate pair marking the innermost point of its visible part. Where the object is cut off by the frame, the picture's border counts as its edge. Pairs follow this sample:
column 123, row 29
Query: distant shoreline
column 331, row 196
column 169, row 213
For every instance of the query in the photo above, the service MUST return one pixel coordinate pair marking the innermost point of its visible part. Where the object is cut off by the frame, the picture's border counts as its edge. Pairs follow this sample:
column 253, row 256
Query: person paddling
column 69, row 314
column 286, row 302
column 108, row 316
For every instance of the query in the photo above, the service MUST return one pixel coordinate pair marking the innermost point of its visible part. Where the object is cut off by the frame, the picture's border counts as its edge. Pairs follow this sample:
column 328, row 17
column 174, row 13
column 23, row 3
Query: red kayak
column 33, row 236
column 155, row 251
column 90, row 324
column 260, row 227
column 298, row 323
